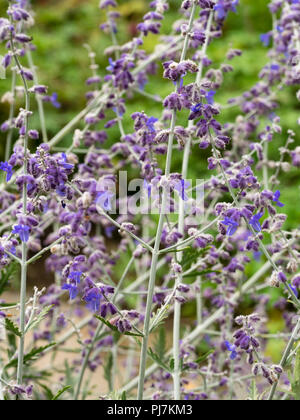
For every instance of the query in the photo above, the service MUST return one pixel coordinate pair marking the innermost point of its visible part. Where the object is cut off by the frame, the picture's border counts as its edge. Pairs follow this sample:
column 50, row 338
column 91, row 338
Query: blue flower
column 75, row 276
column 104, row 200
column 23, row 232
column 181, row 187
column 6, row 167
column 109, row 231
column 232, row 225
column 119, row 113
column 276, row 199
column 30, row 186
column 275, row 67
column 92, row 298
column 232, row 349
column 64, row 162
column 150, row 124
column 234, row 5
column 181, row 81
column 210, row 97
column 112, row 65
column 54, row 101
column 13, row 250
column 220, row 9
column 73, row 290
column 294, row 289
column 257, row 255
column 61, row 189
column 265, row 39
column 255, row 222
column 196, row 108
column 148, row 188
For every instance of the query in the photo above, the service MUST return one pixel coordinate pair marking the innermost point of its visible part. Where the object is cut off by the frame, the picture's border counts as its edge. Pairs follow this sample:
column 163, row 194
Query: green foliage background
column 63, row 26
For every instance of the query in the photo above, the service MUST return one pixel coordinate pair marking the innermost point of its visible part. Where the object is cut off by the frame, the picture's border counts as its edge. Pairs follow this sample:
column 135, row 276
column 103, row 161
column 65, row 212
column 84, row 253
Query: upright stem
column 181, row 218
column 24, row 207
column 155, row 253
column 11, row 116
column 22, row 314
column 153, row 270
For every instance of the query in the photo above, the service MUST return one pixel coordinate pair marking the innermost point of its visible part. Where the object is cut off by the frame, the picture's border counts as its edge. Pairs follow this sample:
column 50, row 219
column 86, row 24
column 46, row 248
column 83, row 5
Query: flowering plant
column 127, row 264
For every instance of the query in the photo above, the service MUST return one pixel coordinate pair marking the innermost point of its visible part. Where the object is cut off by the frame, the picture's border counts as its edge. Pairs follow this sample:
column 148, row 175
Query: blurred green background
column 63, row 26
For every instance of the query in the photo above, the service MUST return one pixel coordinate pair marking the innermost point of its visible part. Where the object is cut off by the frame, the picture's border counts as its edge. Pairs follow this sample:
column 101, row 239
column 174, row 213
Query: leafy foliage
column 31, row 356
column 10, row 326
column 5, row 276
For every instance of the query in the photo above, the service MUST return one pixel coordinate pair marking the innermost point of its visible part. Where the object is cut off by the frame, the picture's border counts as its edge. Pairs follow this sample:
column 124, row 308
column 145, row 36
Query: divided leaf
column 6, row 275
column 31, row 356
column 10, row 326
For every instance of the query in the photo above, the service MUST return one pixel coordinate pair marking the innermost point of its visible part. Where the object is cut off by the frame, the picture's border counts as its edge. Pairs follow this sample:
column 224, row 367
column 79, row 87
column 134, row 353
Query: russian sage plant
column 125, row 265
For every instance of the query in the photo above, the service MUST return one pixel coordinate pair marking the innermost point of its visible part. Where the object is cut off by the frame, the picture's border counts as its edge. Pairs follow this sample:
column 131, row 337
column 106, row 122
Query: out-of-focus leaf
column 61, row 392
column 6, row 275
column 204, row 357
column 296, row 379
column 158, row 360
column 31, row 356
